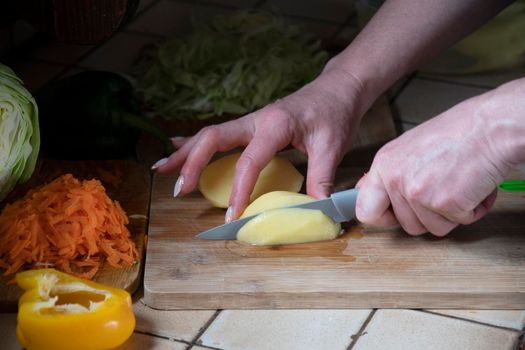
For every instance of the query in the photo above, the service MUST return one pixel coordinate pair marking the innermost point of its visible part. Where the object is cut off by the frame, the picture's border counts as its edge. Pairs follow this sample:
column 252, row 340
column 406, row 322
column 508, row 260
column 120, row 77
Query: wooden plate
column 125, row 181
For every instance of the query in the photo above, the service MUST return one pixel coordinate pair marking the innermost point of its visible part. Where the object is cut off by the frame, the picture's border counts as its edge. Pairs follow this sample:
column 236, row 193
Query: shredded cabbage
column 232, row 64
column 19, row 132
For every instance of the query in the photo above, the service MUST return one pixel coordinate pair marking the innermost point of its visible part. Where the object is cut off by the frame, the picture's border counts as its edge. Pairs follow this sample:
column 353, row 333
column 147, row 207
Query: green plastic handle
column 512, row 185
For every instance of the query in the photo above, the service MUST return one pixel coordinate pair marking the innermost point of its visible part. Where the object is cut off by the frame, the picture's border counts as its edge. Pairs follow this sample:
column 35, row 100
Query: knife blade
column 340, row 206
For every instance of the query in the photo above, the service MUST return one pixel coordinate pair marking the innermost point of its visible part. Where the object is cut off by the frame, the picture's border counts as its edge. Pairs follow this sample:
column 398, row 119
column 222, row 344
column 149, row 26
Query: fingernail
column 178, row 186
column 229, row 215
column 159, row 163
column 177, row 138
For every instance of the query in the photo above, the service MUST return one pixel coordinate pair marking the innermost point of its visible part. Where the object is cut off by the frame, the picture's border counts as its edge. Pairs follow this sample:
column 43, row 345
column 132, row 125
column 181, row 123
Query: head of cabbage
column 19, row 132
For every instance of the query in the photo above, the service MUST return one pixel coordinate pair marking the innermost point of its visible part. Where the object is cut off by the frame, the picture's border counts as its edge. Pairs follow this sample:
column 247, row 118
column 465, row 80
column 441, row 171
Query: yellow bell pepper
column 59, row 311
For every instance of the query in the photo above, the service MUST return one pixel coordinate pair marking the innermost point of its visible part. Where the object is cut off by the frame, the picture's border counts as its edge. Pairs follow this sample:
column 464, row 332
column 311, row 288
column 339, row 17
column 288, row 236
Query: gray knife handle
column 344, row 202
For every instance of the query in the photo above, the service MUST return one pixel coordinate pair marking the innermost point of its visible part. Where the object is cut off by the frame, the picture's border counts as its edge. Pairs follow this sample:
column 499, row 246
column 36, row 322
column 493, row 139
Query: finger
column 373, row 203
column 405, row 214
column 175, row 161
column 252, row 161
column 434, row 223
column 322, row 163
column 361, row 181
column 468, row 217
column 179, row 141
column 210, row 140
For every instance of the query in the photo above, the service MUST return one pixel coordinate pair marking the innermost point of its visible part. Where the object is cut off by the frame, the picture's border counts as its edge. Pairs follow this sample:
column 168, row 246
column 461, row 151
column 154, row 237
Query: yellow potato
column 285, row 226
column 275, row 199
column 216, row 180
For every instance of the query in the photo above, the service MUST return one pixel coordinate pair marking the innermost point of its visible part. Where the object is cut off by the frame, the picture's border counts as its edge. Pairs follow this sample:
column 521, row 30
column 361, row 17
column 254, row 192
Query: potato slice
column 216, row 180
column 275, row 199
column 285, row 226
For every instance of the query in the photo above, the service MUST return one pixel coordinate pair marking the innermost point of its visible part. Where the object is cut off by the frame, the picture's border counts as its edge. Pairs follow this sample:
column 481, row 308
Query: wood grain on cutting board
column 477, row 266
column 125, row 181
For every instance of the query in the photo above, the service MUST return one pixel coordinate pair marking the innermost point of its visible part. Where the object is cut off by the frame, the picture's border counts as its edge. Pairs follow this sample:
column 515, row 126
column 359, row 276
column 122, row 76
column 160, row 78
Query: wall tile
column 407, row 329
column 182, row 325
column 284, row 329
column 8, row 339
column 423, row 99
column 503, row 318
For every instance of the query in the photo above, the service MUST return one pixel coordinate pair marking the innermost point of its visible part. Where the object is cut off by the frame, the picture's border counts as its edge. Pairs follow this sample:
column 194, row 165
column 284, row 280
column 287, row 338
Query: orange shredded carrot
column 68, row 224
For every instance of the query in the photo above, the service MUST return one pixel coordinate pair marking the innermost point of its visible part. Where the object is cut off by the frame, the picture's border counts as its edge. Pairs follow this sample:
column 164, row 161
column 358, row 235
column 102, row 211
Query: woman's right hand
column 319, row 120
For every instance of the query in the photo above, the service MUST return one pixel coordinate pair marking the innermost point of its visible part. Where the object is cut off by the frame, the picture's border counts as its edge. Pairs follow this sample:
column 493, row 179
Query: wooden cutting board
column 477, row 266
column 125, row 181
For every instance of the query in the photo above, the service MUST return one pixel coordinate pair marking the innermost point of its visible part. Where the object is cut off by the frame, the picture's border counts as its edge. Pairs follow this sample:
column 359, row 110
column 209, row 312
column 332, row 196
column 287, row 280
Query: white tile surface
column 147, row 342
column 503, row 318
column 407, row 329
column 182, row 325
column 422, row 99
column 8, row 339
column 284, row 329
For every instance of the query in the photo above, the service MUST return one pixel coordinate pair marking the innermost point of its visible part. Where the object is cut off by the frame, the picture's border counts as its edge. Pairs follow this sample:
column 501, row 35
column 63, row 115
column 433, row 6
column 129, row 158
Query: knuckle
column 211, row 134
column 274, row 116
column 415, row 192
column 450, row 204
column 247, row 161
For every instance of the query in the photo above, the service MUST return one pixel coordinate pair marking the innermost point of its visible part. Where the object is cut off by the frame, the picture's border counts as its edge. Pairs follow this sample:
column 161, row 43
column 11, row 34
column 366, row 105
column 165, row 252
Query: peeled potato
column 285, row 226
column 275, row 199
column 217, row 179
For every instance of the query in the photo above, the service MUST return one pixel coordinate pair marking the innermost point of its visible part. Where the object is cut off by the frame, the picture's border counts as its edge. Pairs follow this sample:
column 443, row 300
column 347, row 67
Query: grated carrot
column 69, row 224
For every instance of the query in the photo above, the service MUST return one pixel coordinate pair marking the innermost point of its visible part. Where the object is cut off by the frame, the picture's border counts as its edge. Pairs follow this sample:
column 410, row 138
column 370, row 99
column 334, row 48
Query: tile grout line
column 520, row 343
column 202, row 346
column 205, row 327
column 361, row 330
column 467, row 320
column 451, row 82
column 74, row 63
column 404, row 85
column 163, row 337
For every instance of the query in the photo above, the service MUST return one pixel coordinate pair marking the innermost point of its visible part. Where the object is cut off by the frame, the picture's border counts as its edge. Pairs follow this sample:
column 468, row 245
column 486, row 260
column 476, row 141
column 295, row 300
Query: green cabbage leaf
column 19, row 131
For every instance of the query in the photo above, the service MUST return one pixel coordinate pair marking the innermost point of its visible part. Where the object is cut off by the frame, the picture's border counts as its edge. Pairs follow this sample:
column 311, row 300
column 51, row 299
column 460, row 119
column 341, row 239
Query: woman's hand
column 444, row 172
column 318, row 120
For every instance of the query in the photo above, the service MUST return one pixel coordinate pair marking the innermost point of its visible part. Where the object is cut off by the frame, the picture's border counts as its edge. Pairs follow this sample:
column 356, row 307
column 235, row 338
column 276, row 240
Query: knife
column 340, row 206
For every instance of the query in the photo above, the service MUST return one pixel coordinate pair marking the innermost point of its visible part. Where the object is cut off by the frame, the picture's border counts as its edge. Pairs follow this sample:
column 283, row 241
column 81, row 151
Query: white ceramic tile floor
column 284, row 329
column 8, row 339
column 146, row 342
column 422, row 99
column 408, row 329
column 503, row 318
column 181, row 325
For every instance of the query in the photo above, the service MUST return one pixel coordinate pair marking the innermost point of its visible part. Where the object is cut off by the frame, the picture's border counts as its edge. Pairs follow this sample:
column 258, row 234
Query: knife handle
column 512, row 185
column 345, row 201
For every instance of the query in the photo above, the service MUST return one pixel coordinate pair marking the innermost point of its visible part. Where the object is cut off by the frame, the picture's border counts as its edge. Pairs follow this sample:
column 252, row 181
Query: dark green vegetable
column 93, row 115
column 232, row 64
